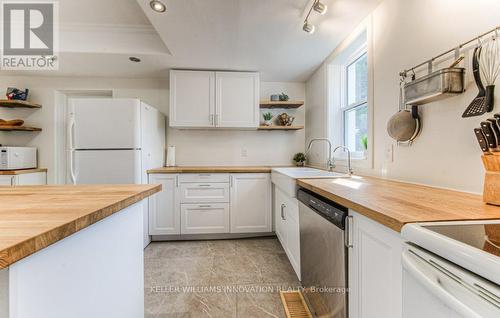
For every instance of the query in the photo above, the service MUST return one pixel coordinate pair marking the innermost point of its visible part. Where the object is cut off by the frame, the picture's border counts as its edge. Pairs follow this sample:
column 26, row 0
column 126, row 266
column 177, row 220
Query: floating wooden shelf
column 278, row 104
column 280, row 127
column 19, row 128
column 18, row 104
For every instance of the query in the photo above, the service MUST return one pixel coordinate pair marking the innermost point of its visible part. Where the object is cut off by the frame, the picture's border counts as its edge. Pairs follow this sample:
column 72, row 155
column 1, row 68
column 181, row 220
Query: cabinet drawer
column 204, row 177
column 204, row 192
column 204, row 218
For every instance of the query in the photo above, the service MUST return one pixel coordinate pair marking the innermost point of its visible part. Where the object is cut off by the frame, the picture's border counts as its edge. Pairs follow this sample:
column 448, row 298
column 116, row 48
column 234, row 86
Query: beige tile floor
column 224, row 278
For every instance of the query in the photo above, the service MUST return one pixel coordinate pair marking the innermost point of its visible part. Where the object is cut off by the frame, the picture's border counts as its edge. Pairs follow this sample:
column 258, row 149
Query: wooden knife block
column 491, row 191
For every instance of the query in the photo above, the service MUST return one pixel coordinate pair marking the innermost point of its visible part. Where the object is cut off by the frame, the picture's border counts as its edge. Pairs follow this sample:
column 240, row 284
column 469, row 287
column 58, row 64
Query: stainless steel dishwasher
column 323, row 255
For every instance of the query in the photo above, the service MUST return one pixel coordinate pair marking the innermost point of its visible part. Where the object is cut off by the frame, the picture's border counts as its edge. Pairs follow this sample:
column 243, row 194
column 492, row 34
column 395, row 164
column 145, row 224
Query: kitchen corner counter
column 21, row 171
column 394, row 204
column 34, row 217
column 212, row 169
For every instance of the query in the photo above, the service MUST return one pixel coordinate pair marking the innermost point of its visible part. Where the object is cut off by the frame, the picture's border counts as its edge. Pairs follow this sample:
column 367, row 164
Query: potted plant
column 364, row 143
column 299, row 159
column 267, row 119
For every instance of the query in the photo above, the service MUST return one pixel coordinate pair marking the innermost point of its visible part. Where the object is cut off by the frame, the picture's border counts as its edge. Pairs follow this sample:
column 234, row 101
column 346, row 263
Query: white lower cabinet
column 164, row 207
column 375, row 270
column 210, row 204
column 35, row 178
column 251, row 203
column 287, row 227
column 205, row 218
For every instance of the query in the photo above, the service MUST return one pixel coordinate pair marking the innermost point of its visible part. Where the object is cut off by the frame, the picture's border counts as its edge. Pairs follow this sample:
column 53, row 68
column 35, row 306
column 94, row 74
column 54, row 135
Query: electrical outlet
column 389, row 153
column 244, row 152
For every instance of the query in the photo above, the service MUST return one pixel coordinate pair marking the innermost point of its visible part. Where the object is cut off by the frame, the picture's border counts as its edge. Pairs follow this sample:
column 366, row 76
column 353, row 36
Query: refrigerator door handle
column 71, row 128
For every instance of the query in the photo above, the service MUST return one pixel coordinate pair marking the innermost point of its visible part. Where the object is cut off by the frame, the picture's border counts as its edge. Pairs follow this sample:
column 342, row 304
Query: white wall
column 228, row 147
column 43, row 91
column 193, row 147
column 406, row 33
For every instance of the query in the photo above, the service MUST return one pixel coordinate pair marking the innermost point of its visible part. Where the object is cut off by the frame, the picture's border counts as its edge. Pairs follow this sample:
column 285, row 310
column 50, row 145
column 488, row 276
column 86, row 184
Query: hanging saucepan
column 404, row 126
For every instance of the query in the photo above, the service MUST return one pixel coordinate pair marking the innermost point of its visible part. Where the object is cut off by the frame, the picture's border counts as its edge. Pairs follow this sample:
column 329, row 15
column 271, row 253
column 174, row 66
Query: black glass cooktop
column 483, row 236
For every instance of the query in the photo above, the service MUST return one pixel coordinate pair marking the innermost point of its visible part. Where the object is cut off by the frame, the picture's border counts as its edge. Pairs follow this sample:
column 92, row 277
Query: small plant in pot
column 300, row 159
column 268, row 117
column 364, row 143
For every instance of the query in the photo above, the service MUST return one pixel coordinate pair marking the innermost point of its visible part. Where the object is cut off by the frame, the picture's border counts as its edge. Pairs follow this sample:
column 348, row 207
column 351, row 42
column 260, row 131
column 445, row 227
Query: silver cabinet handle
column 204, row 185
column 231, row 181
column 283, row 211
column 204, row 206
column 177, row 181
column 348, row 232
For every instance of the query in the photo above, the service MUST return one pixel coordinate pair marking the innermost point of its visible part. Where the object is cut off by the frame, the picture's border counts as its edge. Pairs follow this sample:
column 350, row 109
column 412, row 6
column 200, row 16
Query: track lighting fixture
column 308, row 27
column 318, row 7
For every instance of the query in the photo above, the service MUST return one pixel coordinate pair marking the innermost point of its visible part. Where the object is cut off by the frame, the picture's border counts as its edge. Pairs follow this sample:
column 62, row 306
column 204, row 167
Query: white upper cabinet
column 205, row 99
column 192, row 99
column 237, row 100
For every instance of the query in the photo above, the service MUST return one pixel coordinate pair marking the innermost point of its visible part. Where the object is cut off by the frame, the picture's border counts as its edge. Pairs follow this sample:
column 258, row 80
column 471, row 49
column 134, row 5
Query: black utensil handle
column 495, row 127
column 476, row 72
column 489, row 134
column 481, row 139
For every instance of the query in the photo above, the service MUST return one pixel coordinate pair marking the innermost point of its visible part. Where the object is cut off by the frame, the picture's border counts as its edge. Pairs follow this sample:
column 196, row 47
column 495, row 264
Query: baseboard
column 222, row 236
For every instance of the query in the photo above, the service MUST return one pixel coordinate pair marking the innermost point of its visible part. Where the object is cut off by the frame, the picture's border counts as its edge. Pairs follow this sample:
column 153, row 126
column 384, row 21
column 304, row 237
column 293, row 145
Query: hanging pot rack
column 404, row 73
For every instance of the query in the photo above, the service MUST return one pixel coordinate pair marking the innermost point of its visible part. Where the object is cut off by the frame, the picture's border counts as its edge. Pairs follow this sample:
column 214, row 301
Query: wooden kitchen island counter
column 72, row 251
column 394, row 204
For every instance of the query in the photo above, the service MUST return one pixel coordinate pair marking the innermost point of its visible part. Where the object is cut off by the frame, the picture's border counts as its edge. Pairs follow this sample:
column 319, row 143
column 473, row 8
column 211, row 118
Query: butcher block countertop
column 394, row 204
column 34, row 217
column 213, row 169
column 21, row 171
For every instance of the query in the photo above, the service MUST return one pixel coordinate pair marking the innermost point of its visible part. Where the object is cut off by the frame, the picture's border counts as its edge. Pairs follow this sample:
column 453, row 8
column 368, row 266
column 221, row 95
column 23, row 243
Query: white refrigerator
column 114, row 141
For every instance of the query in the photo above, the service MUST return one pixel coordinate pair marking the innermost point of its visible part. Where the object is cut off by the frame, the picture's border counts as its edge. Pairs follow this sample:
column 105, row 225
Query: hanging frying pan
column 405, row 125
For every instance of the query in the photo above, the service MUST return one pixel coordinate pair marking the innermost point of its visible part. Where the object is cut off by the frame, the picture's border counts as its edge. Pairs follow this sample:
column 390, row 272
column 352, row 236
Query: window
column 354, row 106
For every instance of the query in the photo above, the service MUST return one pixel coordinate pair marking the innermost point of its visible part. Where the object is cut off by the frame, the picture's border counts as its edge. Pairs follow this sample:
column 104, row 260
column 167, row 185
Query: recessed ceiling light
column 308, row 27
column 320, row 7
column 134, row 59
column 157, row 6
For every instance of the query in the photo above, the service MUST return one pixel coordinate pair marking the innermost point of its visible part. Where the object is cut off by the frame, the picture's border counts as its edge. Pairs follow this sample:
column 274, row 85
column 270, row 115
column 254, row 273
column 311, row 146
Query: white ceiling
column 98, row 36
column 260, row 35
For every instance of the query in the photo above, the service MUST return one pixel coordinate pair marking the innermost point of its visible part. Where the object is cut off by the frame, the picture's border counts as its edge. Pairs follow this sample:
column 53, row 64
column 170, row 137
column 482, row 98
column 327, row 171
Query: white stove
column 453, row 268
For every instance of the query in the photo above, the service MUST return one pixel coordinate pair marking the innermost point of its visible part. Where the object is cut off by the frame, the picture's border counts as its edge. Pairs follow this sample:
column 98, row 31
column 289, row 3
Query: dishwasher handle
column 348, row 231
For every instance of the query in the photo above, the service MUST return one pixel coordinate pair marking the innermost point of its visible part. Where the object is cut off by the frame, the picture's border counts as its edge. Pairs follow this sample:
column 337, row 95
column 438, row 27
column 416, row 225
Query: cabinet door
column 292, row 229
column 192, row 99
column 237, row 99
column 279, row 220
column 6, row 180
column 217, row 192
column 36, row 178
column 375, row 270
column 205, row 218
column 251, row 203
column 164, row 207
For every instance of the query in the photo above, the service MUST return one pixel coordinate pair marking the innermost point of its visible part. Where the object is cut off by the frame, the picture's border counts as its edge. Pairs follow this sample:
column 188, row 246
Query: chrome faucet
column 329, row 164
column 349, row 169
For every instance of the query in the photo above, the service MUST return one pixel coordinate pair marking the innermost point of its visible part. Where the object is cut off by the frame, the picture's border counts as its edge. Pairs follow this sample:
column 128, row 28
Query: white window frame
column 344, row 99
column 336, row 95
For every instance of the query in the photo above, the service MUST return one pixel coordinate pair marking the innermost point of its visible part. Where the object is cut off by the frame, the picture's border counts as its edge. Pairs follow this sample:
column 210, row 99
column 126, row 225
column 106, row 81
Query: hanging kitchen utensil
column 489, row 66
column 404, row 126
column 478, row 106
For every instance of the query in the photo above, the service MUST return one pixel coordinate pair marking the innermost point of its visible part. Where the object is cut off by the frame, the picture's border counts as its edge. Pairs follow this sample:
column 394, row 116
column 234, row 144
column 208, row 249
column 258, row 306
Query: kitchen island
column 72, row 251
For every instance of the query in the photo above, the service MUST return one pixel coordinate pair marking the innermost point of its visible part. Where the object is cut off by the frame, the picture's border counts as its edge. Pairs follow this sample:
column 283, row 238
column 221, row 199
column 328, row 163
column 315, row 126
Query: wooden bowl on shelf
column 11, row 123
